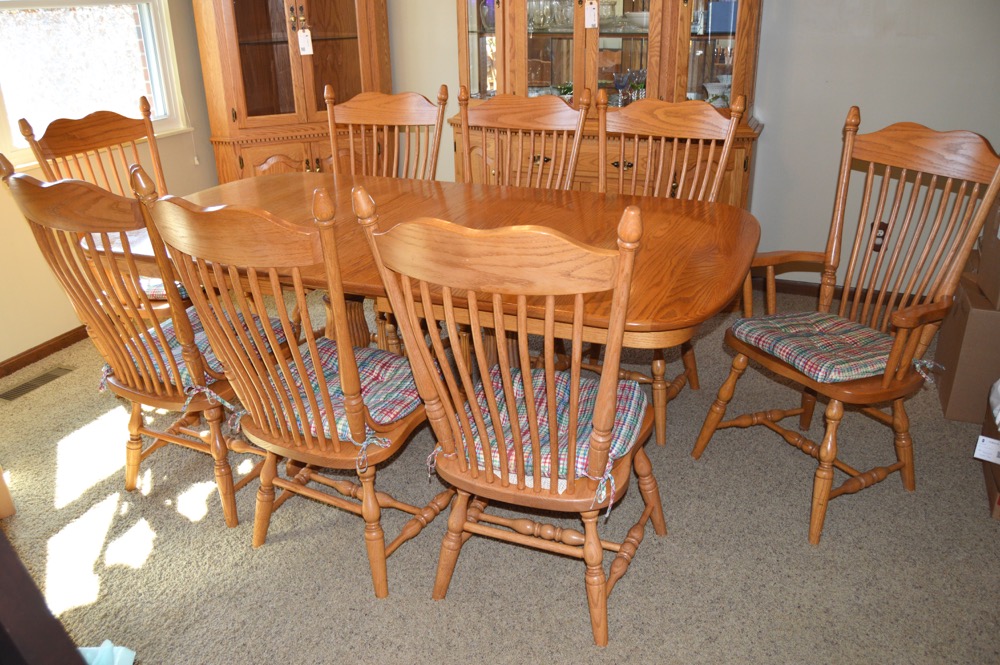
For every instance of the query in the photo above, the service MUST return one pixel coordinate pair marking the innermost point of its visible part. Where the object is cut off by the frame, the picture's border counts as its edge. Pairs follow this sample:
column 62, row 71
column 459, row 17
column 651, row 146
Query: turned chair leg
column 718, row 409
column 371, row 511
column 596, row 582
column 659, row 387
column 904, row 445
column 690, row 365
column 808, row 406
column 265, row 499
column 451, row 545
column 823, row 480
column 133, row 448
column 649, row 490
column 223, row 471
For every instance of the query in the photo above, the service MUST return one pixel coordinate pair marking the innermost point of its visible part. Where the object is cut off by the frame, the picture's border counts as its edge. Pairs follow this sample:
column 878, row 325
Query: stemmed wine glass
column 638, row 84
column 623, row 83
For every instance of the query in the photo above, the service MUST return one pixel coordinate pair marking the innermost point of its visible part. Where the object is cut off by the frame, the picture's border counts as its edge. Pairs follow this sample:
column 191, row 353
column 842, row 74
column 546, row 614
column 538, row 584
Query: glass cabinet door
column 550, row 54
column 712, row 49
column 623, row 48
column 336, row 54
column 482, row 34
column 262, row 29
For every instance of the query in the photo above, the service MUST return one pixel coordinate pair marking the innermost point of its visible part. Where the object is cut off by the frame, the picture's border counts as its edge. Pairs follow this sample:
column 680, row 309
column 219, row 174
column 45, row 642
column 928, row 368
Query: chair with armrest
column 908, row 233
column 90, row 239
column 319, row 403
column 674, row 150
column 99, row 149
column 577, row 439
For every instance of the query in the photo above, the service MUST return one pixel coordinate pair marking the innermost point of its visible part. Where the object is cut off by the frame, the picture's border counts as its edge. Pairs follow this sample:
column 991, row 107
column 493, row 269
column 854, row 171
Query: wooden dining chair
column 319, row 403
column 99, row 149
column 394, row 136
column 94, row 242
column 908, row 233
column 519, row 141
column 675, row 150
column 578, row 437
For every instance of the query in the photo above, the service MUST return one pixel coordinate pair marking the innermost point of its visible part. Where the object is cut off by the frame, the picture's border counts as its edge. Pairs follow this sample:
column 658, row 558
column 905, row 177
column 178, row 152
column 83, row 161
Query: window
column 66, row 60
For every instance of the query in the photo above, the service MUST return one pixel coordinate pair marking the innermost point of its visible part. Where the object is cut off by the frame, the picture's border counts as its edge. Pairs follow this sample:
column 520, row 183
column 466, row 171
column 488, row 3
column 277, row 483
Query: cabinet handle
column 292, row 18
column 303, row 23
column 538, row 159
column 319, row 166
column 628, row 165
column 308, row 166
column 234, row 115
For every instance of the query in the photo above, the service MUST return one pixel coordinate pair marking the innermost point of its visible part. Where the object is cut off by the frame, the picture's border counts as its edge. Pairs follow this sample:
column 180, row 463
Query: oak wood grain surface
column 691, row 262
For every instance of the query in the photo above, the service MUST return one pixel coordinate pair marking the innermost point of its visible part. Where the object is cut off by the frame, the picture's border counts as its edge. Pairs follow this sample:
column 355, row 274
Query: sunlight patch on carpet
column 89, row 455
column 70, row 580
column 192, row 503
column 132, row 548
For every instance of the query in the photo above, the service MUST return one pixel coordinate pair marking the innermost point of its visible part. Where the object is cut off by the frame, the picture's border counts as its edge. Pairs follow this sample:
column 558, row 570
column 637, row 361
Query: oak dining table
column 691, row 263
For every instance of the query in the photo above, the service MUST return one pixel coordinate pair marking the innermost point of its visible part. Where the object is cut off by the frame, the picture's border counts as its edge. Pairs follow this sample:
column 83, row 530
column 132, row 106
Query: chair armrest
column 918, row 315
column 909, row 344
column 785, row 258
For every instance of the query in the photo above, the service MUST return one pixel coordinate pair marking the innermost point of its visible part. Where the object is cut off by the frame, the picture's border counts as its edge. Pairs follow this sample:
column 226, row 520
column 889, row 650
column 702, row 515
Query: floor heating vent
column 23, row 389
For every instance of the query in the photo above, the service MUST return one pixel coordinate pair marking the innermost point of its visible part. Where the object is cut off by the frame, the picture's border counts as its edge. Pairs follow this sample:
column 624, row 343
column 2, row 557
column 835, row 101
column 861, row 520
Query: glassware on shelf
column 623, row 84
column 487, row 11
column 638, row 84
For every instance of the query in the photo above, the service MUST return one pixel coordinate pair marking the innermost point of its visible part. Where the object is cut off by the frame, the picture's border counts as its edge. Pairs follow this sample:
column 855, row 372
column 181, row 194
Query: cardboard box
column 988, row 272
column 967, row 349
column 991, row 472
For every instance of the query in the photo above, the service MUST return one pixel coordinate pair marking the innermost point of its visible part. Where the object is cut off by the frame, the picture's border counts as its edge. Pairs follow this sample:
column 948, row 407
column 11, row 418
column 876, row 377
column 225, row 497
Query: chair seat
column 825, row 347
column 387, row 386
column 631, row 404
column 201, row 341
column 155, row 290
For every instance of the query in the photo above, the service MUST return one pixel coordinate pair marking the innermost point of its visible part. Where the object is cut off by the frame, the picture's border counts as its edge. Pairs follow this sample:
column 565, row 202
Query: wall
column 427, row 33
column 924, row 61
column 34, row 306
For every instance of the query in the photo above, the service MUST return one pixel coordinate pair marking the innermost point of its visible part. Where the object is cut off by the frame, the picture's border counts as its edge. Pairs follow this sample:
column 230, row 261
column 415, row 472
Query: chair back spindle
column 522, row 142
column 394, row 136
column 98, row 148
column 653, row 148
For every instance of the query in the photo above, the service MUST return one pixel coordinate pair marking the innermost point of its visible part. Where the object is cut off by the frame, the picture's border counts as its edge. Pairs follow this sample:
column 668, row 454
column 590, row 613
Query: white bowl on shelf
column 718, row 94
column 725, row 79
column 638, row 19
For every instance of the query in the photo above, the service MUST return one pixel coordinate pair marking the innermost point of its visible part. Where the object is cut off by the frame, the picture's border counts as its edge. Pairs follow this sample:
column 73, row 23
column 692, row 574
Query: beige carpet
column 899, row 577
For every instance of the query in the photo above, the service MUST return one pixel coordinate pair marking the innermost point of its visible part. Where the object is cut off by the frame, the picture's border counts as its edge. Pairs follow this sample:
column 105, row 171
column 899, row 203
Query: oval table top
column 692, row 258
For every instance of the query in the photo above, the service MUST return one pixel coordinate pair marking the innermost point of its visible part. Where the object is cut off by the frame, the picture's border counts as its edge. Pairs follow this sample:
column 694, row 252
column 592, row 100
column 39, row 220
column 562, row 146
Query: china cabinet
column 663, row 49
column 265, row 63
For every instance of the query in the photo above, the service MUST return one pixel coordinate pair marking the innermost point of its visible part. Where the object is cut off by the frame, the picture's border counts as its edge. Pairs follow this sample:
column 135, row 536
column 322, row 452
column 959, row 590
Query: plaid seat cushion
column 630, row 408
column 387, row 386
column 155, row 290
column 200, row 340
column 825, row 347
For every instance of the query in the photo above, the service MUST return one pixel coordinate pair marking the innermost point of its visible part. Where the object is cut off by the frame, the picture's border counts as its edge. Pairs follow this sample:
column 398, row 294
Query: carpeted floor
column 898, row 578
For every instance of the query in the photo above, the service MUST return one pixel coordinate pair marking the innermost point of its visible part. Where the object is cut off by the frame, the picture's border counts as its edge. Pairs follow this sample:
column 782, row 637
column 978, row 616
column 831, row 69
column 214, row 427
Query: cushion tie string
column 362, row 461
column 603, row 484
column 235, row 420
column 432, row 461
column 106, row 371
column 926, row 367
column 193, row 390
